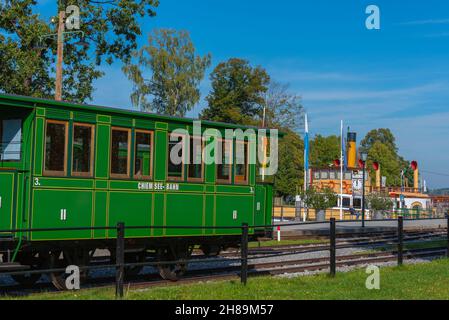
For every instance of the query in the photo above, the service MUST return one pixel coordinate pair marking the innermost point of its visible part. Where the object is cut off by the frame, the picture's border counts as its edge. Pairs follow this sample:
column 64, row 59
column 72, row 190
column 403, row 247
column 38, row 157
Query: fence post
column 447, row 219
column 120, row 260
column 282, row 213
column 333, row 247
column 244, row 252
column 400, row 240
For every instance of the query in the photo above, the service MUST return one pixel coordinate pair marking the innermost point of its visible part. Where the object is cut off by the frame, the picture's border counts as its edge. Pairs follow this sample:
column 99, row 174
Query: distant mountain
column 440, row 192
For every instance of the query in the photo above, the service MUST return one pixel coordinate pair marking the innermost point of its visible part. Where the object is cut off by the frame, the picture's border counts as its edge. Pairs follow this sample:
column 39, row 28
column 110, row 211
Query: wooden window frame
column 183, row 174
column 128, row 162
column 242, row 182
column 229, row 180
column 89, row 174
column 190, row 179
column 53, row 173
column 143, row 177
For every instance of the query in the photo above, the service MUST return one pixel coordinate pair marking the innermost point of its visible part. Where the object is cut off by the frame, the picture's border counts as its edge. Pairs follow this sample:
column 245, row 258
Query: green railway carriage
column 68, row 165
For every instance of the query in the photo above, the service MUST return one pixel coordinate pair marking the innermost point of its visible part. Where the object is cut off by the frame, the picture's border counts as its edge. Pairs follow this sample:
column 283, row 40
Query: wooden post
column 244, row 254
column 120, row 260
column 447, row 225
column 400, row 240
column 333, row 247
column 60, row 57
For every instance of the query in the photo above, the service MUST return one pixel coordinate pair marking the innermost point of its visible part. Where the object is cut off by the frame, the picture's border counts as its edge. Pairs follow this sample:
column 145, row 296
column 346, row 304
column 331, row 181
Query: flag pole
column 306, row 159
column 306, row 145
column 341, row 171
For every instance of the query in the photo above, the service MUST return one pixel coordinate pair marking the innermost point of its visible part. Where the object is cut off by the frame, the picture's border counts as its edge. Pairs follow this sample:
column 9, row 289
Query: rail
column 120, row 262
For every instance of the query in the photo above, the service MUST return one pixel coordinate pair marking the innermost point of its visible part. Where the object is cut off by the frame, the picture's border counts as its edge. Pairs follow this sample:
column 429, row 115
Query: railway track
column 291, row 235
column 292, row 266
column 341, row 244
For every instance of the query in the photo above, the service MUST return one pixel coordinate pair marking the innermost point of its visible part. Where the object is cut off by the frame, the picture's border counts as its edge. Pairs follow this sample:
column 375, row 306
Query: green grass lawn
column 421, row 281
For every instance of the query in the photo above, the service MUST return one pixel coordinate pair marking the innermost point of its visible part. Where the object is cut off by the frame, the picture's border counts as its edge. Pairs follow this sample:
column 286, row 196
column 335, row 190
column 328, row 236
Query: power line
column 436, row 173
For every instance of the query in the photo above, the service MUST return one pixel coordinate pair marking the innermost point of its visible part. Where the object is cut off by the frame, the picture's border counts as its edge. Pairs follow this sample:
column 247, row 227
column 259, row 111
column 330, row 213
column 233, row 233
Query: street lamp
column 364, row 157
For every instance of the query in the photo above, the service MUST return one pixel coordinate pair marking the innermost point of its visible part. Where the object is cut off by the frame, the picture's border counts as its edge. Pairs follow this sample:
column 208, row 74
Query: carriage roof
column 33, row 102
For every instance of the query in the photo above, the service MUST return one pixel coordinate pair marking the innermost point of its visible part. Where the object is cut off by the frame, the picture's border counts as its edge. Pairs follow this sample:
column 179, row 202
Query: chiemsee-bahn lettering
column 158, row 186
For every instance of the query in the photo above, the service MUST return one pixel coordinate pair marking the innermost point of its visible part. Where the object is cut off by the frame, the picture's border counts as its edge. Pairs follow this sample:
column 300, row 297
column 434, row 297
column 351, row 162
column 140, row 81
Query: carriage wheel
column 134, row 258
column 35, row 262
column 173, row 272
column 62, row 259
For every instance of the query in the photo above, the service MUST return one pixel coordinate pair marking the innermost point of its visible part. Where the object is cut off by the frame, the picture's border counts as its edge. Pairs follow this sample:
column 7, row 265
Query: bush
column 319, row 199
column 378, row 202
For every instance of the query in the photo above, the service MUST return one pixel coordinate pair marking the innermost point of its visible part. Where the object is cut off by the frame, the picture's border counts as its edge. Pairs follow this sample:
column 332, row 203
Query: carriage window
column 10, row 139
column 346, row 202
column 143, row 161
column 357, row 203
column 196, row 159
column 120, row 153
column 224, row 166
column 175, row 157
column 56, row 148
column 82, row 150
column 241, row 162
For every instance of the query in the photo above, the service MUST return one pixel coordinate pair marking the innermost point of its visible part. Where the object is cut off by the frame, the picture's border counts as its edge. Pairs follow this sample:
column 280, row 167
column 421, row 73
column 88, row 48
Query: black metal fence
column 121, row 264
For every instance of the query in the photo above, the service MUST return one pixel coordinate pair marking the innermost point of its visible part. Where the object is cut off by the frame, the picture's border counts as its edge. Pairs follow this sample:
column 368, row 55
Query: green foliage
column 283, row 108
column 382, row 135
column 175, row 73
column 388, row 160
column 324, row 150
column 237, row 93
column 291, row 163
column 27, row 64
column 379, row 202
column 381, row 147
column 322, row 199
column 284, row 112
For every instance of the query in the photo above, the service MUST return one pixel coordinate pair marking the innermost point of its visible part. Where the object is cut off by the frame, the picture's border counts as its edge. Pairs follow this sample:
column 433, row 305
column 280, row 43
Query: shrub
column 319, row 199
column 378, row 202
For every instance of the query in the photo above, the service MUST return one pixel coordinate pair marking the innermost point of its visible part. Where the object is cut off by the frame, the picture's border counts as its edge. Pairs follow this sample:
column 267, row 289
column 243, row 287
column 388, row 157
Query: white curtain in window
column 12, row 136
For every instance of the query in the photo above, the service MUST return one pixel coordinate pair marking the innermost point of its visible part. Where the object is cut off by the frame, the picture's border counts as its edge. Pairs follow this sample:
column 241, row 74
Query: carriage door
column 264, row 204
column 7, row 187
column 260, row 205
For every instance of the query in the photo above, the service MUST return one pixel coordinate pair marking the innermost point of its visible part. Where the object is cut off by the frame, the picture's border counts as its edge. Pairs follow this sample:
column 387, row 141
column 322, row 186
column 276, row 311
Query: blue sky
column 396, row 77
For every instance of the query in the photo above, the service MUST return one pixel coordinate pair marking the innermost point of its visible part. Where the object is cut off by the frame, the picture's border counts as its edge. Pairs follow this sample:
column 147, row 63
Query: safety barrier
column 120, row 263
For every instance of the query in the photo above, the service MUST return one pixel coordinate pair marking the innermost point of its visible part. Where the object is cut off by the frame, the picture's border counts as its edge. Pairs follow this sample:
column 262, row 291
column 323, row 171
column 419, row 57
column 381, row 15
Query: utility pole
column 60, row 56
